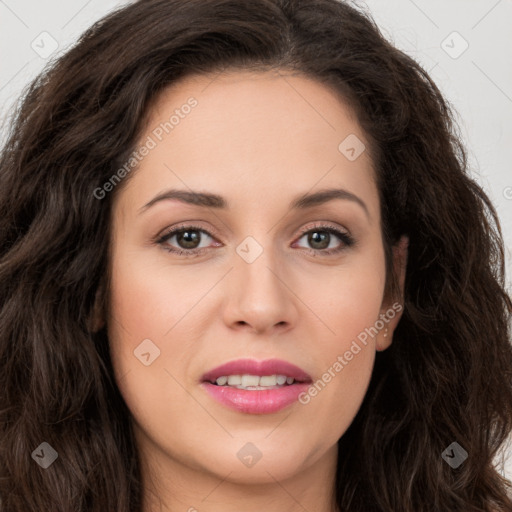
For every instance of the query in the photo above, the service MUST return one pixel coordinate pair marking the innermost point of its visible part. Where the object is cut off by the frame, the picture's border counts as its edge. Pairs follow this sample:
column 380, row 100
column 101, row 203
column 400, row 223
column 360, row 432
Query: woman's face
column 262, row 278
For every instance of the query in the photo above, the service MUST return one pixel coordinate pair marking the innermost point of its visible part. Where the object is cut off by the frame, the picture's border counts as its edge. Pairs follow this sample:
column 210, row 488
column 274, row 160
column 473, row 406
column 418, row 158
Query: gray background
column 465, row 45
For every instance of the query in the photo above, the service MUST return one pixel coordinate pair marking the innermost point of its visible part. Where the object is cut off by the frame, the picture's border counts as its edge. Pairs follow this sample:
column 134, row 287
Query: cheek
column 347, row 298
column 149, row 299
column 348, row 306
column 143, row 309
column 152, row 320
column 345, row 359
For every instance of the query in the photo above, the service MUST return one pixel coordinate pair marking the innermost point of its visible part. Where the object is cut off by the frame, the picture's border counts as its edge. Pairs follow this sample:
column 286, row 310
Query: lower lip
column 265, row 401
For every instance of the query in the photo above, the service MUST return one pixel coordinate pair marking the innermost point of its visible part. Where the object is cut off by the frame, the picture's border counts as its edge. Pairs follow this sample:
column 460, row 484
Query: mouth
column 249, row 373
column 256, row 387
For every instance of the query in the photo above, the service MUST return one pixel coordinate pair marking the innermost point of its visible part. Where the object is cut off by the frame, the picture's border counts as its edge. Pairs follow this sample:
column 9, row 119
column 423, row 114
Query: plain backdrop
column 465, row 45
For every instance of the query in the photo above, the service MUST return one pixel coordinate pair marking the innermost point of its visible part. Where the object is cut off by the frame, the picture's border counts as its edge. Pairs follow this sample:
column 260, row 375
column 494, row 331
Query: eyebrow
column 301, row 202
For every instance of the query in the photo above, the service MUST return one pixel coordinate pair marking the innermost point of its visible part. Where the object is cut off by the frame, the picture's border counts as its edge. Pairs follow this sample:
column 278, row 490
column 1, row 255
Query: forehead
column 253, row 133
column 263, row 101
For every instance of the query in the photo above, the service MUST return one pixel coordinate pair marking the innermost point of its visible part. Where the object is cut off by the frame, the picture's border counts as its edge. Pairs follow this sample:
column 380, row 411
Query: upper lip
column 253, row 367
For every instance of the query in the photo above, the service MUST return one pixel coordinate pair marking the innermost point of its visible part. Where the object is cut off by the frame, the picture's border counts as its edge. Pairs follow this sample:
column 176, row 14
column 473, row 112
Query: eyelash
column 347, row 240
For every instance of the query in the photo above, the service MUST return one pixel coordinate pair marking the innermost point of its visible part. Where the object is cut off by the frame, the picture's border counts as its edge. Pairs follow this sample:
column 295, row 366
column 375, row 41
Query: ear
column 391, row 310
column 97, row 320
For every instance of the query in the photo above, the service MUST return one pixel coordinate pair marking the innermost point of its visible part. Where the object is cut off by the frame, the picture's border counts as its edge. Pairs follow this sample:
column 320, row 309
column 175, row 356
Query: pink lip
column 253, row 367
column 264, row 401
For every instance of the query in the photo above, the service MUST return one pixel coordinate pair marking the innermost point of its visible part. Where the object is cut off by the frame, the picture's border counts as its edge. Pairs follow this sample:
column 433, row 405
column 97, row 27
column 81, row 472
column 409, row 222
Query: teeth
column 268, row 380
column 235, row 380
column 247, row 381
column 221, row 381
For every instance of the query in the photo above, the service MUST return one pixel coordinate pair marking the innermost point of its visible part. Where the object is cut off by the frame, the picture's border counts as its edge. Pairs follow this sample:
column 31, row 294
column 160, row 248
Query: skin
column 259, row 139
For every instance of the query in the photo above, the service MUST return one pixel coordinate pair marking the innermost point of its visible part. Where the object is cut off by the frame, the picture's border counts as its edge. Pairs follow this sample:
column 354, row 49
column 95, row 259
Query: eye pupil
column 319, row 236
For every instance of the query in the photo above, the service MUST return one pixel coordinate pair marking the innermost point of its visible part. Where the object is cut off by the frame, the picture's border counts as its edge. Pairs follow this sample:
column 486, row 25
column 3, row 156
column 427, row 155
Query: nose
column 261, row 297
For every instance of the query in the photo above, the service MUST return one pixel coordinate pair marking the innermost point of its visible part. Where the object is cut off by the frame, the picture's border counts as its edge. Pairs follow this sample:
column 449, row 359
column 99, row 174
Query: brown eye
column 322, row 240
column 187, row 240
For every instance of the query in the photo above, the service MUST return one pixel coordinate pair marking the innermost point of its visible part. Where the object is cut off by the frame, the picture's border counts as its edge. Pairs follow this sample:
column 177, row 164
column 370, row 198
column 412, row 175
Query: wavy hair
column 447, row 376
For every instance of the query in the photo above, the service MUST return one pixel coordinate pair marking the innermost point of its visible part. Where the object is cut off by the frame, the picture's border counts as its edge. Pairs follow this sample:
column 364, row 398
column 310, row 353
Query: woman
column 338, row 342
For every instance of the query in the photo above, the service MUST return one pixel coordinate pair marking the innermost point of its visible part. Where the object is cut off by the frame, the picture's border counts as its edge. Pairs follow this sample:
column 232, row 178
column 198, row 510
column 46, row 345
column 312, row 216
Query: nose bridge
column 259, row 296
column 256, row 264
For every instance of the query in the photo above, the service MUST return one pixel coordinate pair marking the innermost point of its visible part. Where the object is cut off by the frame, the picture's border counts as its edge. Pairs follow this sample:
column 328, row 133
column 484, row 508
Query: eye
column 185, row 240
column 320, row 237
column 188, row 239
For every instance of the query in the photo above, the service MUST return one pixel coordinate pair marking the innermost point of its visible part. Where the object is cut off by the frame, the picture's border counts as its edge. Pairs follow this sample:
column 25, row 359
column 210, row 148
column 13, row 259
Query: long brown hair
column 447, row 376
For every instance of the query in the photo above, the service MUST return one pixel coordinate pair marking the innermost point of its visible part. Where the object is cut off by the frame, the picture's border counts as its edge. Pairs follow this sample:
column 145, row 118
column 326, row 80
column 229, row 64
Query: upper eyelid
column 169, row 232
